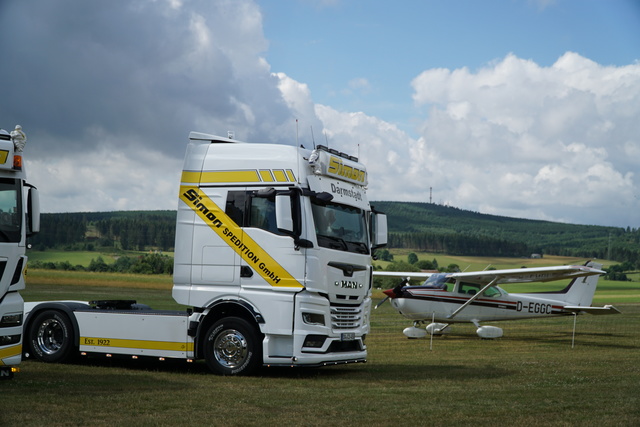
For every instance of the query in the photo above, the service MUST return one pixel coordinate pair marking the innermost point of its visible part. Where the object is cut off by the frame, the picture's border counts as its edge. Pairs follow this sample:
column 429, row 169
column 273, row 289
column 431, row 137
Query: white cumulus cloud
column 108, row 92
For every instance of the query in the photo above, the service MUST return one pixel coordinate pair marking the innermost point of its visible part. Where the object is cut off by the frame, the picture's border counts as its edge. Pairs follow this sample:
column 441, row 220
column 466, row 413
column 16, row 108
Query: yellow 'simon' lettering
column 268, row 268
column 338, row 168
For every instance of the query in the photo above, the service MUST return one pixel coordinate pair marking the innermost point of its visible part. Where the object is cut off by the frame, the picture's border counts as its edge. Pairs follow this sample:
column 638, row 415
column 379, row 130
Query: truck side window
column 247, row 210
column 10, row 212
column 263, row 214
column 236, row 201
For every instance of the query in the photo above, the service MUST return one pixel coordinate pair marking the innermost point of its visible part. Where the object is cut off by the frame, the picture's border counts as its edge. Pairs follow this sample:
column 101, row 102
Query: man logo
column 348, row 284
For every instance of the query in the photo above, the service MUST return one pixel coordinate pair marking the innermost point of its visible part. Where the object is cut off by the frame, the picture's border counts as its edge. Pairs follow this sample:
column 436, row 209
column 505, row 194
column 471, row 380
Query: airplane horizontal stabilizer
column 607, row 309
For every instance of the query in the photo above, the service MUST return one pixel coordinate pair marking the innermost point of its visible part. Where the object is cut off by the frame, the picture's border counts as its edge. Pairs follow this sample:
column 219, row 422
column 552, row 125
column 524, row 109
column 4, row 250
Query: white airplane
column 474, row 297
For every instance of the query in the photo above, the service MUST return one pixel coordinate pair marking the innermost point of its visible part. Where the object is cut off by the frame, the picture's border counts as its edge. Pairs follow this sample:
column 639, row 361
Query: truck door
column 213, row 254
column 269, row 259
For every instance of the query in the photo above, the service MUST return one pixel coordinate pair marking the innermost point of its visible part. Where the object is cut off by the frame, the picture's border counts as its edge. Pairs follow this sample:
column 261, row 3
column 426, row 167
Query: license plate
column 347, row 336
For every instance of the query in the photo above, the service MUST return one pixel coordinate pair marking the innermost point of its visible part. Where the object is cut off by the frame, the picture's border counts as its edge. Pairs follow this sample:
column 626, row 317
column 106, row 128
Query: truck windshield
column 10, row 211
column 340, row 227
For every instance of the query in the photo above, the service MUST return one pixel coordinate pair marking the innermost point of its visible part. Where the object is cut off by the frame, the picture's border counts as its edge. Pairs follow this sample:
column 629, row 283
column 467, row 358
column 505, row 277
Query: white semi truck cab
column 19, row 218
column 272, row 256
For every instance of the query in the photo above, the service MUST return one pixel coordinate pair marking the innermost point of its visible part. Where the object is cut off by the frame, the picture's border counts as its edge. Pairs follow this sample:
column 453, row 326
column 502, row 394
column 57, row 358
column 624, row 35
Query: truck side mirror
column 288, row 218
column 284, row 217
column 378, row 230
column 33, row 211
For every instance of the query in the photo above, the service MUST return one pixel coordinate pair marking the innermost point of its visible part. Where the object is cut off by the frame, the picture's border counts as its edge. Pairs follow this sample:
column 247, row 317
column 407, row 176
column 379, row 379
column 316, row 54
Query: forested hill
column 420, row 226
column 432, row 227
column 127, row 230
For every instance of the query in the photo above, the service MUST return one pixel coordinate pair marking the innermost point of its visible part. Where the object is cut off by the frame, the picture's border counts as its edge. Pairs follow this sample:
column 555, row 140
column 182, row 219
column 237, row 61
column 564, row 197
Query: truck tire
column 51, row 337
column 232, row 347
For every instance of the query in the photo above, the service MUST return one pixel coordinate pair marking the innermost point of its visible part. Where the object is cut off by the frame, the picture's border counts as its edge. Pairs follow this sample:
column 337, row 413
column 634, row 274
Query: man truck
column 272, row 258
column 19, row 218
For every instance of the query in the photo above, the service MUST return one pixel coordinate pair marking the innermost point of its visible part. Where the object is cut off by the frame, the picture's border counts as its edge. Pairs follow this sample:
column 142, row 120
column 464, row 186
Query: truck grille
column 345, row 317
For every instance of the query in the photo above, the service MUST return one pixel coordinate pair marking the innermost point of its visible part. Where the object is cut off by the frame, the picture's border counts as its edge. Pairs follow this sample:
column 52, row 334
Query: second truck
column 272, row 259
column 19, row 219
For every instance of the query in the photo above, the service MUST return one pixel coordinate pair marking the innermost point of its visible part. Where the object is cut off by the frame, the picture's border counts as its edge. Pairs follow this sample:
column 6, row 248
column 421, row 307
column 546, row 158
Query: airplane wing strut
column 473, row 298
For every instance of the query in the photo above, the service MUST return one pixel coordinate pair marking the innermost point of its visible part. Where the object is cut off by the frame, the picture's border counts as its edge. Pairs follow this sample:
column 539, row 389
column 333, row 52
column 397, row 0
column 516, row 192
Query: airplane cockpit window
column 468, row 288
column 437, row 281
column 492, row 292
column 472, row 289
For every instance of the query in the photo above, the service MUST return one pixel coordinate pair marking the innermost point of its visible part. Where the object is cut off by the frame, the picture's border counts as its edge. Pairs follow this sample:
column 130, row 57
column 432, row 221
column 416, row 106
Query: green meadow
column 536, row 374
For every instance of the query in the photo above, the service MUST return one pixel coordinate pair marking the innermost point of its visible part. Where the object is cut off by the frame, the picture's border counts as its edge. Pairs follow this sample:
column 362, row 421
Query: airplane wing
column 515, row 275
column 403, row 274
column 527, row 275
column 607, row 309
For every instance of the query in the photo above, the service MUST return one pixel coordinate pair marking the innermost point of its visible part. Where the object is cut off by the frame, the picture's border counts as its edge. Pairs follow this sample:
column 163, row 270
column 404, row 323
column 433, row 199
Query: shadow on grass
column 397, row 373
column 356, row 371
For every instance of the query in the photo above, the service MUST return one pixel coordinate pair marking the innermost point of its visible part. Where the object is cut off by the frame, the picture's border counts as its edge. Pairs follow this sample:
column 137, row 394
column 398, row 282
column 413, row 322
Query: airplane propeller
column 393, row 293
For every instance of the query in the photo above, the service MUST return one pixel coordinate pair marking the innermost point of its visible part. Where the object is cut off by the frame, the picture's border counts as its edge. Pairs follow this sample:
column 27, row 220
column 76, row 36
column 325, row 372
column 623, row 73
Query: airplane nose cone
column 389, row 293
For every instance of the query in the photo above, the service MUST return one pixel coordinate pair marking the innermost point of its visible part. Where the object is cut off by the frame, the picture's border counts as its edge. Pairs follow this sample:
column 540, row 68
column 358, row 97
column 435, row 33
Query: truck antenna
column 312, row 138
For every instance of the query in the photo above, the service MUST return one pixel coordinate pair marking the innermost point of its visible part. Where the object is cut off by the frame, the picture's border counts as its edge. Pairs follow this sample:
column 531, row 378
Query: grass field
column 73, row 257
column 531, row 376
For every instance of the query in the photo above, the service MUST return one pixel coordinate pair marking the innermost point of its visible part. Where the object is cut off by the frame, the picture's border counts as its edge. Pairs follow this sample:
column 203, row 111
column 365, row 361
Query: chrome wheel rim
column 230, row 348
column 50, row 337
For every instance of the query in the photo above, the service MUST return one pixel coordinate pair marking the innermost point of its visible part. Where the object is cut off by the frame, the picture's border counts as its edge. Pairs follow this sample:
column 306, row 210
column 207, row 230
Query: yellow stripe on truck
column 238, row 176
column 13, row 351
column 137, row 344
column 233, row 235
column 190, row 177
column 266, row 175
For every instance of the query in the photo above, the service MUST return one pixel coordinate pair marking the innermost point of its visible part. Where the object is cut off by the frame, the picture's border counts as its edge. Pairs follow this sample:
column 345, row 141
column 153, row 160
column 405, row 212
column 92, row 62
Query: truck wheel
column 51, row 336
column 232, row 347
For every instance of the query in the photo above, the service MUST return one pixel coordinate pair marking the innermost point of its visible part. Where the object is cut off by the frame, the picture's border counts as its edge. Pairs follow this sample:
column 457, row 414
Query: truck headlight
column 9, row 320
column 313, row 319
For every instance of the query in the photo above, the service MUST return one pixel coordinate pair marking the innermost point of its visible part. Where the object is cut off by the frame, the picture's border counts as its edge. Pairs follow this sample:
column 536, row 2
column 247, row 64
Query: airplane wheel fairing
column 437, row 328
column 489, row 332
column 412, row 332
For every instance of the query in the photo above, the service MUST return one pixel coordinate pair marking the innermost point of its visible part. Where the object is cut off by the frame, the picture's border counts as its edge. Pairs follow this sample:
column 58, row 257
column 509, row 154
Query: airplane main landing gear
column 416, row 331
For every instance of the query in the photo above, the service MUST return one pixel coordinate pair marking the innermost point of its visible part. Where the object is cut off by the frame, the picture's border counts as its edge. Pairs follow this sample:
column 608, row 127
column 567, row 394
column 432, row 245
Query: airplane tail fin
column 580, row 291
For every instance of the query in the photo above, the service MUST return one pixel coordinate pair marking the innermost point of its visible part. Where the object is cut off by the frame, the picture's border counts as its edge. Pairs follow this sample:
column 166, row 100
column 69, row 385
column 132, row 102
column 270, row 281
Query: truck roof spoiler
column 199, row 136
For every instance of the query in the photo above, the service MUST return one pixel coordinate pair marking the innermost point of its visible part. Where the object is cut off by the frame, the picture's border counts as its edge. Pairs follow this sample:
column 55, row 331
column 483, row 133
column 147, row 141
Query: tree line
column 418, row 226
column 458, row 244
column 138, row 233
column 153, row 263
column 137, row 230
column 437, row 228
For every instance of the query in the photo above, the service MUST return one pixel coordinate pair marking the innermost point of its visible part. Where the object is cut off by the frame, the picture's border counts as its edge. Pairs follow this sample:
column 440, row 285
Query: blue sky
column 518, row 108
column 361, row 55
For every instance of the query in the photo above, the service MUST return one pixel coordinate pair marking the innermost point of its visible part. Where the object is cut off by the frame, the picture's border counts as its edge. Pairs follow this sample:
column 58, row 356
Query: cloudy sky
column 520, row 108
